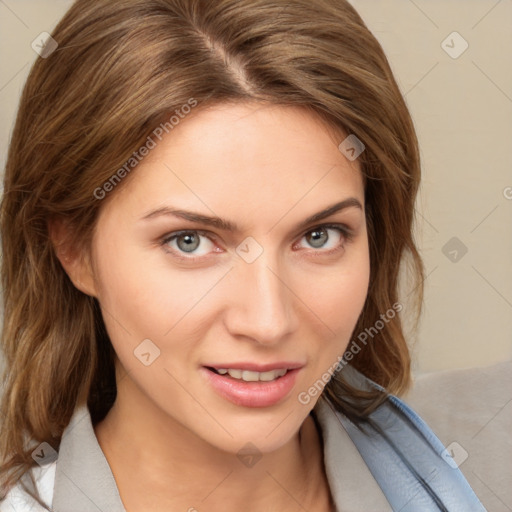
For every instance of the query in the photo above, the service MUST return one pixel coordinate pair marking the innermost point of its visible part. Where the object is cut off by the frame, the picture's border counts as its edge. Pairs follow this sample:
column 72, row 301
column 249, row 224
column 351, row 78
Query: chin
column 265, row 429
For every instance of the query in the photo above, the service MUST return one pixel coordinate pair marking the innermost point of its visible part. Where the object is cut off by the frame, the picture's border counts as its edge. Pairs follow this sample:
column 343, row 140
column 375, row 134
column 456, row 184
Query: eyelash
column 344, row 230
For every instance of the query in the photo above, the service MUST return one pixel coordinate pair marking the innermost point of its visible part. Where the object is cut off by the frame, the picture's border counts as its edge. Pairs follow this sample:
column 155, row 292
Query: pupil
column 190, row 243
column 319, row 237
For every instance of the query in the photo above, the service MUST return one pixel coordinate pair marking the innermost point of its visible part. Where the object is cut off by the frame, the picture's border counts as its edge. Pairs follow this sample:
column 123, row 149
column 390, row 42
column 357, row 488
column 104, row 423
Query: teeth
column 249, row 376
column 236, row 374
column 273, row 374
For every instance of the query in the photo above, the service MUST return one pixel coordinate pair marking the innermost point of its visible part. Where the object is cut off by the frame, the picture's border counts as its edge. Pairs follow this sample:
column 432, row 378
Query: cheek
column 144, row 298
column 338, row 295
column 337, row 299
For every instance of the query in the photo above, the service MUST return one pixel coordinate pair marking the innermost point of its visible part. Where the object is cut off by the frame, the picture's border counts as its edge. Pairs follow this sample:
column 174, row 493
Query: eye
column 194, row 244
column 328, row 237
column 187, row 242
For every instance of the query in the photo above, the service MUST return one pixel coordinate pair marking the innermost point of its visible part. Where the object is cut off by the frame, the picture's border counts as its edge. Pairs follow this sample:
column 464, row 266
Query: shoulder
column 411, row 465
column 18, row 500
column 471, row 412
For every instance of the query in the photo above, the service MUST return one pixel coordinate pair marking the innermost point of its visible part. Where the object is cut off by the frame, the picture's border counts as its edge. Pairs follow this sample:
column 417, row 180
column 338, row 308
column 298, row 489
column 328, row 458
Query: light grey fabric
column 83, row 479
column 473, row 408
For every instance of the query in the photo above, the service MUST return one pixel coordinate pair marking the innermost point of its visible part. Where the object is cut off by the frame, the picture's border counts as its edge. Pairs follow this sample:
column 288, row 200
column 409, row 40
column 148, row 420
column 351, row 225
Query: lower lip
column 251, row 394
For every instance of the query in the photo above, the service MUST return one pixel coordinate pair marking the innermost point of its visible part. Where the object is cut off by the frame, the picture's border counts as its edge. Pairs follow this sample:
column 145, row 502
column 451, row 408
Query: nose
column 261, row 302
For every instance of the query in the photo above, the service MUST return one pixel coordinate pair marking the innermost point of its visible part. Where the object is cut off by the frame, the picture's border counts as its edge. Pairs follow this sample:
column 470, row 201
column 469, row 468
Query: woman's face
column 236, row 279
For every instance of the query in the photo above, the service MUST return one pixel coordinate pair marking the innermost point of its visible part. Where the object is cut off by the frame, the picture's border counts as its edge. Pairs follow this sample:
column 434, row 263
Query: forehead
column 243, row 158
column 254, row 129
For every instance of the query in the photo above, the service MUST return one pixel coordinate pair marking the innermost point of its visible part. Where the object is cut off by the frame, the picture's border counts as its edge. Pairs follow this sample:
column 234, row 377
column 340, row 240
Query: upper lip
column 255, row 367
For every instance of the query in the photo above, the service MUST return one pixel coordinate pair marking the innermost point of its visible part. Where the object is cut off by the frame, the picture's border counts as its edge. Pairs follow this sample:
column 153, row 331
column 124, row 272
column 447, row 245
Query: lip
column 254, row 367
column 252, row 394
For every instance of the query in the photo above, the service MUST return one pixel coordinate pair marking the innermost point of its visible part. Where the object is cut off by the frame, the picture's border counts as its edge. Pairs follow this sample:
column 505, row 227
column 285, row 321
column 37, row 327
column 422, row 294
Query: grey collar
column 85, row 483
column 83, row 479
column 353, row 487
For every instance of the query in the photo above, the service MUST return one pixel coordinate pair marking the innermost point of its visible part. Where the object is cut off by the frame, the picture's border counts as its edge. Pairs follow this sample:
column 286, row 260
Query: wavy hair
column 119, row 69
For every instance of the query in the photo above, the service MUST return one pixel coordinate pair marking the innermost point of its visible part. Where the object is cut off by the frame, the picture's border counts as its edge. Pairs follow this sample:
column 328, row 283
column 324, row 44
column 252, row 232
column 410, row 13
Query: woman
column 206, row 205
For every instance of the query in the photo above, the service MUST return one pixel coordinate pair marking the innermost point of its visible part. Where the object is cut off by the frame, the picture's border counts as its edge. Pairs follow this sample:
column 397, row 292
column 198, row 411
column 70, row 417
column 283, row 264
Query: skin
column 170, row 439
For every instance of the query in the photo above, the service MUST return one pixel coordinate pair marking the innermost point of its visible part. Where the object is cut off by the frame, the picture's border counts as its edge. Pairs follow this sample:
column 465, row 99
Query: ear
column 76, row 263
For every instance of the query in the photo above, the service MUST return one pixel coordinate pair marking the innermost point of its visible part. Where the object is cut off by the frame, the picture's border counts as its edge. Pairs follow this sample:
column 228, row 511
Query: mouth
column 251, row 385
column 249, row 375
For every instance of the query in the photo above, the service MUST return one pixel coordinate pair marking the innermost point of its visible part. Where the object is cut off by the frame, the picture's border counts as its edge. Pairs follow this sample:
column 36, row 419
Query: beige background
column 462, row 108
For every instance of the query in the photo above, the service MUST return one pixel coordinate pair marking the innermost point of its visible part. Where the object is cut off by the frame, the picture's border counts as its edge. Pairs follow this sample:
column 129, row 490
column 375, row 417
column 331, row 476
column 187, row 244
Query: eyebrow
column 226, row 225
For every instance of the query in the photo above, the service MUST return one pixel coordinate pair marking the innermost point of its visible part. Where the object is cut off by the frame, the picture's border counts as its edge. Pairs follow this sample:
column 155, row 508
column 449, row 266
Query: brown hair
column 122, row 66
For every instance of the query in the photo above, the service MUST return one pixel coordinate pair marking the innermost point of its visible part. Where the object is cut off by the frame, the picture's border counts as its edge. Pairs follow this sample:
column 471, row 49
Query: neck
column 156, row 460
